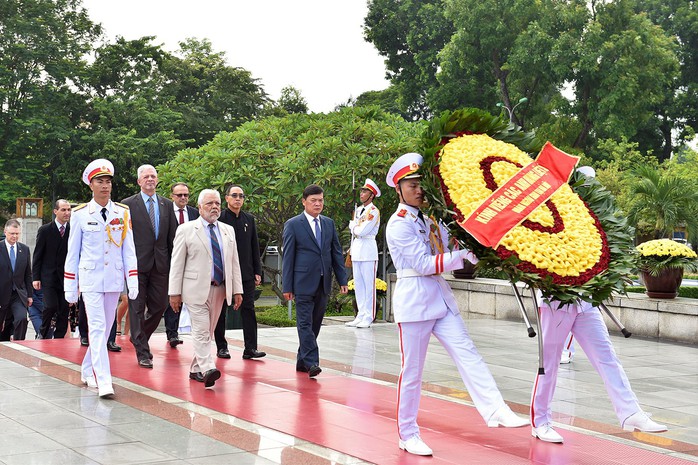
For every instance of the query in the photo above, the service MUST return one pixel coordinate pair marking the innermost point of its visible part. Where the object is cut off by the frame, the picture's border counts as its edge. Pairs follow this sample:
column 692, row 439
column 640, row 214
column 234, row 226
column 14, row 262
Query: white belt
column 410, row 273
column 365, row 237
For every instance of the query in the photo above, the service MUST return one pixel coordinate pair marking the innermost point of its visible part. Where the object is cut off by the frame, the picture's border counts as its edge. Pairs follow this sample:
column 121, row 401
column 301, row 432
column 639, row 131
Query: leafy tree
column 292, row 101
column 42, row 50
column 410, row 34
column 274, row 159
column 211, row 95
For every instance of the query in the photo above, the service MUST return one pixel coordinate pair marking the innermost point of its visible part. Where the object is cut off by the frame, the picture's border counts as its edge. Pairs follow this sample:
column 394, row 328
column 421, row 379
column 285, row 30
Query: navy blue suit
column 307, row 273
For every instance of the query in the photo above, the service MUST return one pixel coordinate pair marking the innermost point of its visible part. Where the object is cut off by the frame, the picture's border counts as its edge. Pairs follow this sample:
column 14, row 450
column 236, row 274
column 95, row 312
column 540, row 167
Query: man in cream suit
column 204, row 271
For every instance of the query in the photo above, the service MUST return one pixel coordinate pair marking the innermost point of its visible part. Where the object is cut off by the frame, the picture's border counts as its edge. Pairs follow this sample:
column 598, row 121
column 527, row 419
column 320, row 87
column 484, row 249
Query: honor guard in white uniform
column 423, row 304
column 364, row 254
column 101, row 255
column 585, row 323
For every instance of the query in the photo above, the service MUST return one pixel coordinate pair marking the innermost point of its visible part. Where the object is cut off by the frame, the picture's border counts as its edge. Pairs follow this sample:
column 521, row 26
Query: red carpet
column 349, row 415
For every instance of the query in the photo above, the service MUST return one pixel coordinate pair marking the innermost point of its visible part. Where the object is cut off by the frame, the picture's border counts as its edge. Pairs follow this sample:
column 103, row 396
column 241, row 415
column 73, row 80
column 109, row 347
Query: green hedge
column 690, row 292
column 278, row 315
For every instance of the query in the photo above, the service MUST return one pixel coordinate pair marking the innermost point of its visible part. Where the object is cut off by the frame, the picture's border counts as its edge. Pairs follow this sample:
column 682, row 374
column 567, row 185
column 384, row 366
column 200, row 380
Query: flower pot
column 467, row 272
column 663, row 286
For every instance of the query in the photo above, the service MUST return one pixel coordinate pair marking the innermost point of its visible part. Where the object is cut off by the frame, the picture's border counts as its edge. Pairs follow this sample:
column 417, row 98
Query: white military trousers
column 451, row 332
column 100, row 308
column 365, row 290
column 591, row 333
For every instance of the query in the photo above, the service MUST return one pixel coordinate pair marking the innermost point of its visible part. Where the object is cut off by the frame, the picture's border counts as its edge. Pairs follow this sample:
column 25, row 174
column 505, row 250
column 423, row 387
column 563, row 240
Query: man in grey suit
column 154, row 227
column 15, row 283
column 311, row 252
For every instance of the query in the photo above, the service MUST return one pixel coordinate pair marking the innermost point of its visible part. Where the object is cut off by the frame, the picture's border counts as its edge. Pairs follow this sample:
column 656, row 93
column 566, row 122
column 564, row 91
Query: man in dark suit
column 183, row 213
column 15, row 283
column 311, row 252
column 251, row 269
column 47, row 267
column 154, row 227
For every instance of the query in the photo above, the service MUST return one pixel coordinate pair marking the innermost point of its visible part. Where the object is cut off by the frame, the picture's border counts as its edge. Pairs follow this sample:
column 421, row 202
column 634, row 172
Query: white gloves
column 71, row 297
column 352, row 223
column 132, row 284
column 468, row 255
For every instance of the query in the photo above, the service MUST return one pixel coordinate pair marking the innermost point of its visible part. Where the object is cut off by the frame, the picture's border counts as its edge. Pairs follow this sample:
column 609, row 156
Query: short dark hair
column 230, row 186
column 312, row 189
column 179, row 184
column 57, row 204
column 13, row 223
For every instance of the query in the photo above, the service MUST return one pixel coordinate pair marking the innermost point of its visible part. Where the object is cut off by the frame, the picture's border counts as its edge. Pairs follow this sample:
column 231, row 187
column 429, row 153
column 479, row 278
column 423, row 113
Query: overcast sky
column 316, row 46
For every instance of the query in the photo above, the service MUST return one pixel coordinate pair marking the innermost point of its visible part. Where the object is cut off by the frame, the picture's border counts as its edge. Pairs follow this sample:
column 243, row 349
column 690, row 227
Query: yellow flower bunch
column 665, row 247
column 570, row 252
column 381, row 287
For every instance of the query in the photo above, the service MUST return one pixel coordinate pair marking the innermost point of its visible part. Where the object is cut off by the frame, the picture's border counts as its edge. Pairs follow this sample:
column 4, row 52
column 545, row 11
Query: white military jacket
column 364, row 228
column 420, row 253
column 100, row 253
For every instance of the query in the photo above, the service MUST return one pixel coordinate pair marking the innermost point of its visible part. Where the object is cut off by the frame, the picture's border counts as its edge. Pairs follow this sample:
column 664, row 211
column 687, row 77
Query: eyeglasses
column 236, row 195
column 181, row 195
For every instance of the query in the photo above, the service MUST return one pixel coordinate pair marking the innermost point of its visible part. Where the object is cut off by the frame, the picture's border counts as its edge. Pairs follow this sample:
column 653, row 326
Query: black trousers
column 54, row 304
column 249, row 320
column 15, row 320
column 171, row 323
column 152, row 294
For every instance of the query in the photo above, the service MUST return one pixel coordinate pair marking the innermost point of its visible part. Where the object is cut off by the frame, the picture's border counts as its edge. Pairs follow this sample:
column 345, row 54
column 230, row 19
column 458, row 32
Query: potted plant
column 661, row 263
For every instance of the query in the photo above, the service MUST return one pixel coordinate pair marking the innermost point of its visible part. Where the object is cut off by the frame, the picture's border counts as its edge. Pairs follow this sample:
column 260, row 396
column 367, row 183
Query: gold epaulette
column 82, row 205
column 122, row 205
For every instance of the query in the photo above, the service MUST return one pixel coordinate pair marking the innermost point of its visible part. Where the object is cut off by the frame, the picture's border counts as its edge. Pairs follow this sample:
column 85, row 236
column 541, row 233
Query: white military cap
column 372, row 186
column 97, row 168
column 404, row 167
column 587, row 171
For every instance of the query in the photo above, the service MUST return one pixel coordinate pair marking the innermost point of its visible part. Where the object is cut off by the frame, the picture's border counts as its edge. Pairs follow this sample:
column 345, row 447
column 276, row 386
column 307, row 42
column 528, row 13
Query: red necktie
column 181, row 215
column 62, row 230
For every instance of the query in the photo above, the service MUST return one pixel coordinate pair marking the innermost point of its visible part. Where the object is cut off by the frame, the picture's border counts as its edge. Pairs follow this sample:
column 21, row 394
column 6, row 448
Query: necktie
column 217, row 258
column 362, row 211
column 62, row 229
column 318, row 233
column 13, row 258
column 151, row 213
column 420, row 215
column 181, row 216
column 104, row 214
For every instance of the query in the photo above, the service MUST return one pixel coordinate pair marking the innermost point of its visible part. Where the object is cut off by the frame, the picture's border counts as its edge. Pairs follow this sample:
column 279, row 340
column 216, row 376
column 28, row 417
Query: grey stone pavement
column 47, row 421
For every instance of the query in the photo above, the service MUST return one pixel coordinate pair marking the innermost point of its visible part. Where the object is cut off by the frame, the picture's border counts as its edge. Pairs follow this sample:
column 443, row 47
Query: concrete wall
column 674, row 319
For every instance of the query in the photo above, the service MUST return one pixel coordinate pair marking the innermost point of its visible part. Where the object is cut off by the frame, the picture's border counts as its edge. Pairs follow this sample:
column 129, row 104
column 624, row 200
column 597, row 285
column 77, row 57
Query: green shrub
column 690, row 292
column 278, row 315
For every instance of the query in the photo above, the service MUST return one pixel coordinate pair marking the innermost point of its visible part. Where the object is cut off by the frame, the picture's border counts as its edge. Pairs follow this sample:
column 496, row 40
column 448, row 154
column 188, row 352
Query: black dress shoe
column 145, row 363
column 197, row 377
column 113, row 347
column 313, row 371
column 254, row 353
column 210, row 377
column 223, row 353
column 84, row 342
column 175, row 341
